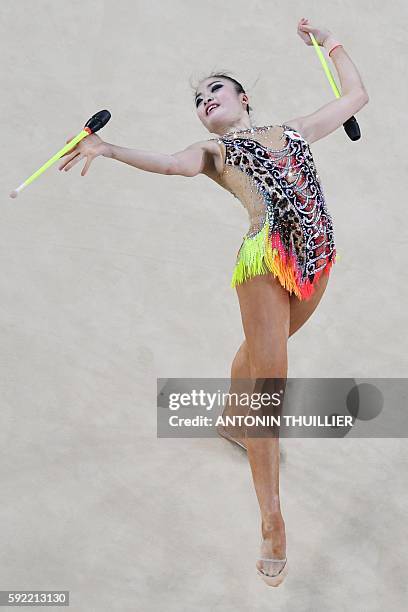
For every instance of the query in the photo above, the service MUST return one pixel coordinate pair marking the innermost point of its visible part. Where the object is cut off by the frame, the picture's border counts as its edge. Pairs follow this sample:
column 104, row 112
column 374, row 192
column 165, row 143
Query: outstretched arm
column 354, row 96
column 196, row 158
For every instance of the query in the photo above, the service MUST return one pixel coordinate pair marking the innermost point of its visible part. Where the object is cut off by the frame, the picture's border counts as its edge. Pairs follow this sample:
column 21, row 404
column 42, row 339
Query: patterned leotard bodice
column 271, row 171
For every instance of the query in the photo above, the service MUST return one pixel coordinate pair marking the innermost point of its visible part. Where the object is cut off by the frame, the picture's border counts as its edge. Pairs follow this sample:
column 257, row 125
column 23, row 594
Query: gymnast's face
column 230, row 106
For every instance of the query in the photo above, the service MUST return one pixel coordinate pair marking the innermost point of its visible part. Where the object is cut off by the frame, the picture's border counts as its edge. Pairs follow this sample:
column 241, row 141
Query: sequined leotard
column 291, row 231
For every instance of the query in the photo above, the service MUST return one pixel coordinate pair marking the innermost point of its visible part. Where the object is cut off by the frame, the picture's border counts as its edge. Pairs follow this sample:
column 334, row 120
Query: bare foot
column 232, row 430
column 222, row 431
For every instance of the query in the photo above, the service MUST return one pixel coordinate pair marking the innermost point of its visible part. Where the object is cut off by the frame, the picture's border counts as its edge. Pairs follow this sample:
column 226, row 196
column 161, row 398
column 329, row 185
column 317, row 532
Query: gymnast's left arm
column 354, row 96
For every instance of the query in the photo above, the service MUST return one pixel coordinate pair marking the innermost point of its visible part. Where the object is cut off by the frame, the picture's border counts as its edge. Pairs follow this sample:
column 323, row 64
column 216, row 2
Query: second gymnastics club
column 95, row 123
column 351, row 126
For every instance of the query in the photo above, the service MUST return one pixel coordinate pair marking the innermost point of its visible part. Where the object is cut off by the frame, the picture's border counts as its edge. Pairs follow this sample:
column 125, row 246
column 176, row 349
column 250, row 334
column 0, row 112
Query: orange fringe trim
column 263, row 254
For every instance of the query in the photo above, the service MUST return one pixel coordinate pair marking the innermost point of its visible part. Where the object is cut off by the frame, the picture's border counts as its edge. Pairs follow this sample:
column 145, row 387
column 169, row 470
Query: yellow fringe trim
column 256, row 256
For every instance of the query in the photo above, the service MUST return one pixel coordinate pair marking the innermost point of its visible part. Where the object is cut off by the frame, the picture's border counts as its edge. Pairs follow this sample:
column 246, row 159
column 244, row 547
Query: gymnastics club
column 351, row 126
column 95, row 123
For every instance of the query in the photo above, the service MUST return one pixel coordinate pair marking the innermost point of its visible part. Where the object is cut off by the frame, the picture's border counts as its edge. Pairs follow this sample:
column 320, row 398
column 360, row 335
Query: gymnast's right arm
column 200, row 157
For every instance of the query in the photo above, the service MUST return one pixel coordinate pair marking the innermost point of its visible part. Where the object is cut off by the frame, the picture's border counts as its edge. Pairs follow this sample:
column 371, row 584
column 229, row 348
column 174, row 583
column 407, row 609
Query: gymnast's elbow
column 356, row 99
column 362, row 96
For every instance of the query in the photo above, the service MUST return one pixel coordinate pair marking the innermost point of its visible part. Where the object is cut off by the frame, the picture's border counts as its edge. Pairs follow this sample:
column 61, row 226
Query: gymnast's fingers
column 73, row 148
column 68, row 156
column 74, row 160
column 86, row 167
column 302, row 32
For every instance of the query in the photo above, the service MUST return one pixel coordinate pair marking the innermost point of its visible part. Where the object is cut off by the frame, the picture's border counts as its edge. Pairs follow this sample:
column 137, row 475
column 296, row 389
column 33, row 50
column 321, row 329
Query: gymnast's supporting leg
column 265, row 313
column 264, row 457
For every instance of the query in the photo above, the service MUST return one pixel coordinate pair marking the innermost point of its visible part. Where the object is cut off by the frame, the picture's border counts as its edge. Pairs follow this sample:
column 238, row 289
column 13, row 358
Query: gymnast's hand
column 320, row 34
column 89, row 147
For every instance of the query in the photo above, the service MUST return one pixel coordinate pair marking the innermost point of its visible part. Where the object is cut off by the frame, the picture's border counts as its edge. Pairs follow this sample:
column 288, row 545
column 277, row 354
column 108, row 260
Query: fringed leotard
column 291, row 231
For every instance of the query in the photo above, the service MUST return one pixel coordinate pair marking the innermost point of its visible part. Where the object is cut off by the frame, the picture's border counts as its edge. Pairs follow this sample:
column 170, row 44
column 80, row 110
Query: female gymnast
column 282, row 266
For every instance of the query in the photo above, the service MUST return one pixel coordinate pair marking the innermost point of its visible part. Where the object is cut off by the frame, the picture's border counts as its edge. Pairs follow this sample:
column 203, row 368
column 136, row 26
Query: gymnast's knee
column 240, row 367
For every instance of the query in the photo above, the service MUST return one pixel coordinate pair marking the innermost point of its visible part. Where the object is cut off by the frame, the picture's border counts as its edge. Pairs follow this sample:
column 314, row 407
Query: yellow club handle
column 325, row 66
column 351, row 126
column 82, row 134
